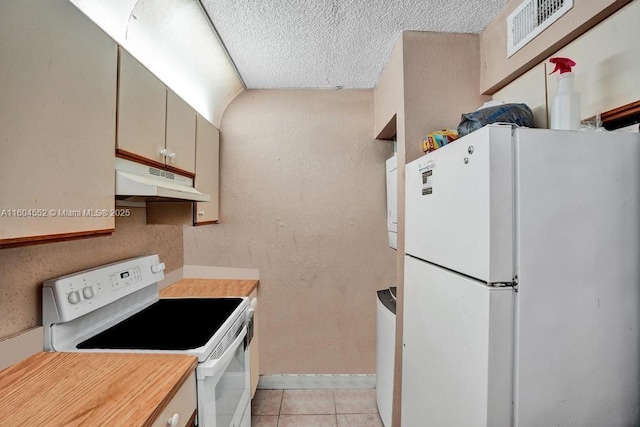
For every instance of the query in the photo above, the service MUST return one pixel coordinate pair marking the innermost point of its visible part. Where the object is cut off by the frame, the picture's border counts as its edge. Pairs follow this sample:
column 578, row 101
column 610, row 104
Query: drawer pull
column 173, row 420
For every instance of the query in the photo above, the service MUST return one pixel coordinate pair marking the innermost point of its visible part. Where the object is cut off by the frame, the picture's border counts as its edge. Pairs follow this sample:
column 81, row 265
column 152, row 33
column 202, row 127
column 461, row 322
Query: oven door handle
column 211, row 367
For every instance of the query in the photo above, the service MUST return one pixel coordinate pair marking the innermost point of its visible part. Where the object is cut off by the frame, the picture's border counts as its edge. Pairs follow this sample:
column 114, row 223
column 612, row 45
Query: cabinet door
column 207, row 170
column 183, row 404
column 58, row 76
column 529, row 88
column 608, row 63
column 141, row 110
column 181, row 133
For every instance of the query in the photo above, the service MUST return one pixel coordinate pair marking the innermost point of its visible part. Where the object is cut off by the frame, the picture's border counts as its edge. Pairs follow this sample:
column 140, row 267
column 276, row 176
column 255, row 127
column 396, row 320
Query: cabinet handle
column 169, row 154
column 173, row 420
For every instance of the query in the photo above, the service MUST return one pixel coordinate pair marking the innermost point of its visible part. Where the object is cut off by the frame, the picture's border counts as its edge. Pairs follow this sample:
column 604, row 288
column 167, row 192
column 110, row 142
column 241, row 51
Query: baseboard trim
column 316, row 381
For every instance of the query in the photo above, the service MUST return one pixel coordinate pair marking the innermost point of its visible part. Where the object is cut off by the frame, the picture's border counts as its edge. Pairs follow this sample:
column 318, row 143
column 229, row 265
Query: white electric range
column 116, row 308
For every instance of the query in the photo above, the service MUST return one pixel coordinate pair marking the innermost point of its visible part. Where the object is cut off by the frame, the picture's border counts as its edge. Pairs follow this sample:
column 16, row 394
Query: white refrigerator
column 522, row 281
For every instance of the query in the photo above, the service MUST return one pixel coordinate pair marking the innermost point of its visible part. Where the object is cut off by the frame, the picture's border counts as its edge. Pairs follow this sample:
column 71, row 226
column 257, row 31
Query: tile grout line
column 361, row 412
column 280, row 409
column 335, row 406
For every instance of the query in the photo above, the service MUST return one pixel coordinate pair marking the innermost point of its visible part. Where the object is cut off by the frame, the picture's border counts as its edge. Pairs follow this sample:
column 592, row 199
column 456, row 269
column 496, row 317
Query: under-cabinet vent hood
column 135, row 181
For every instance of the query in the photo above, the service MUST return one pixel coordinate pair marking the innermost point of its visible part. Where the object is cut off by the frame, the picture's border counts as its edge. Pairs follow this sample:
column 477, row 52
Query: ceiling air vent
column 530, row 19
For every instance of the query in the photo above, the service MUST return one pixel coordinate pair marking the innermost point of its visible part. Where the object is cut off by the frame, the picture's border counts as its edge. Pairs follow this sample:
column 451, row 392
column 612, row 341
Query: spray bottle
column 565, row 106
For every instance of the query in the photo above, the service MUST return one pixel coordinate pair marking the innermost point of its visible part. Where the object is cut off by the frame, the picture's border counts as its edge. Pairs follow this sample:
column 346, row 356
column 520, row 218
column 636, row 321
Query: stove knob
column 88, row 292
column 157, row 268
column 249, row 314
column 74, row 297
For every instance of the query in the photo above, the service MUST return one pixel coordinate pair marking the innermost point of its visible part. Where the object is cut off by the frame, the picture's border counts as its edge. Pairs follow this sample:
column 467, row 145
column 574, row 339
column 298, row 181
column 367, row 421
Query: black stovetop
column 169, row 324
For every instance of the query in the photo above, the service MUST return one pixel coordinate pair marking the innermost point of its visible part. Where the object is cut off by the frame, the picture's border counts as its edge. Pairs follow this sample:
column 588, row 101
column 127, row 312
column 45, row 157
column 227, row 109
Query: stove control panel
column 69, row 297
column 126, row 277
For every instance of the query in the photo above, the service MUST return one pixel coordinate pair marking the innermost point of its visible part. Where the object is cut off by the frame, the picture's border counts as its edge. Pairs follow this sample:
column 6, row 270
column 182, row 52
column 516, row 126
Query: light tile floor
column 315, row 408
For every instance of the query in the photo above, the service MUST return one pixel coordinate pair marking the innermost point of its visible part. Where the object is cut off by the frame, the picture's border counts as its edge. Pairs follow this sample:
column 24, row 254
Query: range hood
column 137, row 182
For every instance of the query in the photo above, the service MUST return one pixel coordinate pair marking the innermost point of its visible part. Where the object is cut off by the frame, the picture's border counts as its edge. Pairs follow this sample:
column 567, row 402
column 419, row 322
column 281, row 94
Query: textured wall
column 303, row 200
column 437, row 93
column 24, row 269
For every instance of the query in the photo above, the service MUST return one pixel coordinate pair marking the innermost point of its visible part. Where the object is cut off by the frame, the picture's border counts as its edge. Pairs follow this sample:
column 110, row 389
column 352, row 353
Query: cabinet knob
column 171, row 156
column 173, row 420
column 201, row 213
column 164, row 152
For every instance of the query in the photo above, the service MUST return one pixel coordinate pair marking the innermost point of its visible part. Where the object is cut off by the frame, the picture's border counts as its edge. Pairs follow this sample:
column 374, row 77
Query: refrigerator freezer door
column 457, row 350
column 578, row 304
column 459, row 206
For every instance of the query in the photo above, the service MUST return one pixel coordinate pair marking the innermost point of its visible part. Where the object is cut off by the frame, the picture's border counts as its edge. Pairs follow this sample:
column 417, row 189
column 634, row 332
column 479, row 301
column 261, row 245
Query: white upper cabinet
column 141, row 110
column 181, row 133
column 207, row 170
column 58, row 79
column 154, row 124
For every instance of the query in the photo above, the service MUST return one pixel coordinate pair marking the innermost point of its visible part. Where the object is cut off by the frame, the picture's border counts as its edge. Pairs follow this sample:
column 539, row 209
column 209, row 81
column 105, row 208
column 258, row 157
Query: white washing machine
column 392, row 200
column 385, row 351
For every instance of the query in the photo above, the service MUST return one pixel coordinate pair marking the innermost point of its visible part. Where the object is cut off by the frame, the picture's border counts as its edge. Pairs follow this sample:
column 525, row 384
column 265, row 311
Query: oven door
column 224, row 387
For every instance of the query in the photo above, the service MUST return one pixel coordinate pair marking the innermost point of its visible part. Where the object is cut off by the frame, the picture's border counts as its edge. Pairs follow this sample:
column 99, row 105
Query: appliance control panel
column 126, row 277
column 80, row 293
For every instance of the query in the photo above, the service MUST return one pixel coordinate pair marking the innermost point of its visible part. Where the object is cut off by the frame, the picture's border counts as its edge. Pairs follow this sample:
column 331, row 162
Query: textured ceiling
column 331, row 43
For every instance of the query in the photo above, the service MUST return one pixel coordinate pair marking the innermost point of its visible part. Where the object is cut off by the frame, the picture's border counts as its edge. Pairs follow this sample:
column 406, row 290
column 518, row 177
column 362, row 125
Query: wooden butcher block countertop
column 90, row 389
column 209, row 288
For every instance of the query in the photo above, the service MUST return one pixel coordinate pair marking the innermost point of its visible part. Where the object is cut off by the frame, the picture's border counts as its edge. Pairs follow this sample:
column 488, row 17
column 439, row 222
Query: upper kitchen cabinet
column 531, row 89
column 58, row 77
column 608, row 66
column 207, row 170
column 155, row 126
column 181, row 133
column 498, row 69
column 207, row 141
column 142, row 105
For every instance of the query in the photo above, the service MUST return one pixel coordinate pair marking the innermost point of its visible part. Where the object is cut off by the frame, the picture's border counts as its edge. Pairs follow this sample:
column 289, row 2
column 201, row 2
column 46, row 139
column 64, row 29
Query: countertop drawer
column 183, row 404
